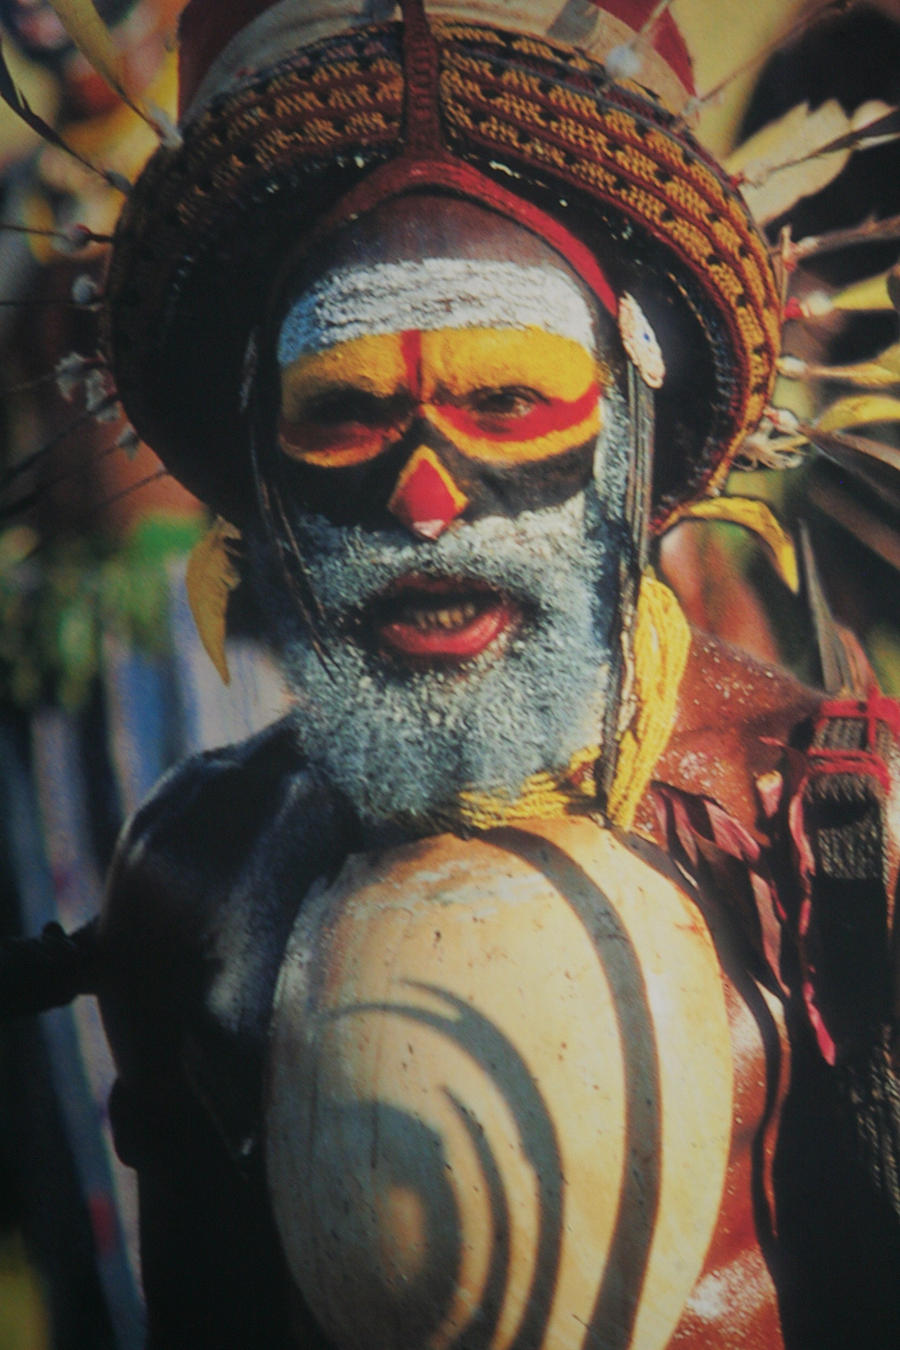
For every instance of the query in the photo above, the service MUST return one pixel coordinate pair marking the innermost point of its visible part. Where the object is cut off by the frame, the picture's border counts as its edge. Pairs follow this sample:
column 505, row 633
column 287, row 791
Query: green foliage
column 59, row 604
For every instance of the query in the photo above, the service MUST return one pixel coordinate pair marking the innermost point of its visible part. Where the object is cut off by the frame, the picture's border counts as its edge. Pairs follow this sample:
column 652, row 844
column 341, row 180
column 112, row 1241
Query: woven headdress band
column 275, row 158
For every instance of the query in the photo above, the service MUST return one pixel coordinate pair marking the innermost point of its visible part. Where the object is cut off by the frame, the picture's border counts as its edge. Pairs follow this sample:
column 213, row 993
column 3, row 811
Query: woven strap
column 869, row 1088
column 839, row 829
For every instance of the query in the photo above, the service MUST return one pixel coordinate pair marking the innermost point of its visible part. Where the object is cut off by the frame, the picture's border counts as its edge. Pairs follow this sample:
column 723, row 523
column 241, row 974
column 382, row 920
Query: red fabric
column 401, row 176
column 207, row 26
column 665, row 38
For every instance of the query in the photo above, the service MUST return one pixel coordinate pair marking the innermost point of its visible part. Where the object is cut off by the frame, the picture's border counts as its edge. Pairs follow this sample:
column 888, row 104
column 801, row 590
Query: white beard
column 403, row 743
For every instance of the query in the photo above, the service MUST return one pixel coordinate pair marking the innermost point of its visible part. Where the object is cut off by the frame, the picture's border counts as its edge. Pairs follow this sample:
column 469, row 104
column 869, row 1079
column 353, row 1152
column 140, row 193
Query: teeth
column 449, row 617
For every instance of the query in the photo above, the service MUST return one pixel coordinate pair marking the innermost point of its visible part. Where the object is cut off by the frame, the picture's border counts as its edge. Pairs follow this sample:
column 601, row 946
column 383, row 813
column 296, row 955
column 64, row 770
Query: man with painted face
column 451, row 455
column 435, row 1025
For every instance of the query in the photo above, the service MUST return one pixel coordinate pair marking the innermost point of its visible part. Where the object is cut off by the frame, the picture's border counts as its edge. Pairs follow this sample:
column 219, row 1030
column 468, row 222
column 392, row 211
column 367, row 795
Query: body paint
column 345, row 405
column 353, row 302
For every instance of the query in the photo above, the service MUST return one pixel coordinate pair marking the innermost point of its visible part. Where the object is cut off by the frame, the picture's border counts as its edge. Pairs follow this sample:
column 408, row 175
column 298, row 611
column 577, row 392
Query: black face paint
column 360, row 493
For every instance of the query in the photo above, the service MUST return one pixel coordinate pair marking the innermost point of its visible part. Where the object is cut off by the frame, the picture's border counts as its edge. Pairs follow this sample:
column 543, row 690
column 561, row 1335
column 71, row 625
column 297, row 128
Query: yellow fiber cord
column 662, row 639
column 211, row 577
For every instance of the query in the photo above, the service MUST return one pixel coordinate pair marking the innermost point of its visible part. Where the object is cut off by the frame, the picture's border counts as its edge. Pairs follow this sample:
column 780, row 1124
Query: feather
column 858, row 410
column 869, row 232
column 211, row 577
column 787, row 160
column 802, row 152
column 15, row 100
column 75, row 237
column 94, row 40
column 873, row 123
column 852, row 451
column 757, row 517
column 880, row 372
column 869, row 295
column 756, row 58
column 860, row 517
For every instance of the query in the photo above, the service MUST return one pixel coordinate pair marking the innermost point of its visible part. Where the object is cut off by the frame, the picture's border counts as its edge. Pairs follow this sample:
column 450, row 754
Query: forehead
column 431, row 295
column 429, row 262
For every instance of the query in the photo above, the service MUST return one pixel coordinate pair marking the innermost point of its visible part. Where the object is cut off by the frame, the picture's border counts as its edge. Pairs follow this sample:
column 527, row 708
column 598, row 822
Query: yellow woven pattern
column 662, row 640
column 648, row 172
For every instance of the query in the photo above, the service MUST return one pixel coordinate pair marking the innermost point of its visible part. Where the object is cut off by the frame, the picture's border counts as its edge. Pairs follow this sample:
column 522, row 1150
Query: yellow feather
column 858, row 410
column 92, row 37
column 883, row 369
column 870, row 293
column 94, row 40
column 211, row 577
column 890, row 358
column 880, row 372
column 759, row 518
column 781, row 164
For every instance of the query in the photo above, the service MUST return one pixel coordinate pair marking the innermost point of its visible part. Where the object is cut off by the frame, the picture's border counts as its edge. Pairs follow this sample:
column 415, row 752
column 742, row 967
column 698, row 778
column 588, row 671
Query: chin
column 459, row 666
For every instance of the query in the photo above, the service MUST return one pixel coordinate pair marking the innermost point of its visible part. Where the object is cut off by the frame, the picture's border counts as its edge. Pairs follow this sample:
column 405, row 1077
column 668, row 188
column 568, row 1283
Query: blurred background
column 103, row 683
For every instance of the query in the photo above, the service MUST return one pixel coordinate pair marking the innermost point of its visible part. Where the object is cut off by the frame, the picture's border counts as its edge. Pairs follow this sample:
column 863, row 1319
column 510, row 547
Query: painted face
column 449, row 458
column 431, row 391
column 439, row 391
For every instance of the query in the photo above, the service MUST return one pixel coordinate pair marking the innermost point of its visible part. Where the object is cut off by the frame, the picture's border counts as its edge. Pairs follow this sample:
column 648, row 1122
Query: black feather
column 14, row 99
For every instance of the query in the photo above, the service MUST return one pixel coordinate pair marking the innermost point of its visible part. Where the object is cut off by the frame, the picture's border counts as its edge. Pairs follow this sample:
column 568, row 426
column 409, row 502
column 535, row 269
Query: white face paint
column 469, row 660
column 404, row 741
column 354, row 302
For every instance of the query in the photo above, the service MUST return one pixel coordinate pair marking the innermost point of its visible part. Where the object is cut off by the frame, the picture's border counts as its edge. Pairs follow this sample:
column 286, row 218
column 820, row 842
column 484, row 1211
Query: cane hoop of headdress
column 283, row 137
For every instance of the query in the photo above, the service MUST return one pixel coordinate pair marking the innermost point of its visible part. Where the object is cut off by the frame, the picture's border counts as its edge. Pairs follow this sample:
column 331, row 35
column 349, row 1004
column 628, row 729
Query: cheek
column 535, row 485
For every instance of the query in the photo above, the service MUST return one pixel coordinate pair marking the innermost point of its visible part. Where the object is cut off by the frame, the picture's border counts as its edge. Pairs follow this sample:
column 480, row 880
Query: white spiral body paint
column 486, row 1120
column 436, row 293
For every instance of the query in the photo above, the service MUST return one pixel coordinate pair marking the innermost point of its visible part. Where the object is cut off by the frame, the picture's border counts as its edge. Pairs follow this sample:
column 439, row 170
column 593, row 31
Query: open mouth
column 447, row 620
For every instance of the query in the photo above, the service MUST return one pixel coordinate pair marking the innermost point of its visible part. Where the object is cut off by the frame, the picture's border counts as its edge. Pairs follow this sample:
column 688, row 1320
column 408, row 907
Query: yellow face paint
column 507, row 396
column 340, row 406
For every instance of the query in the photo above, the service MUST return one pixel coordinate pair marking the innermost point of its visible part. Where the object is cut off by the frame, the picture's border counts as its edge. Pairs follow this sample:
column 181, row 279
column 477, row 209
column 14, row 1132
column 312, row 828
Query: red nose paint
column 426, row 499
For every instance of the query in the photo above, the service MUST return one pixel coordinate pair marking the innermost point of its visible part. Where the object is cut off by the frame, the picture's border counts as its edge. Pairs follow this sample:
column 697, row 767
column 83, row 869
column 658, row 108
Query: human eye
column 497, row 408
column 339, row 425
column 345, row 407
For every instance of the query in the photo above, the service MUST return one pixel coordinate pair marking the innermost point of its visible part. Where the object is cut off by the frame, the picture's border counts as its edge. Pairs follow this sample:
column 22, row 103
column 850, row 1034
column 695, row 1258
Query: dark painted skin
column 202, row 899
column 209, row 878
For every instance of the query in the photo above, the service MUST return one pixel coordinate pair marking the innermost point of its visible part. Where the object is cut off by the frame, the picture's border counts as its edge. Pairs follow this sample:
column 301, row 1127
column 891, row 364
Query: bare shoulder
column 207, row 877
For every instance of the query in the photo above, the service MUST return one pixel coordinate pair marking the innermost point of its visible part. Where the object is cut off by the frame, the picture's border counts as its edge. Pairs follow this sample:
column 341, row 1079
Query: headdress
column 296, row 117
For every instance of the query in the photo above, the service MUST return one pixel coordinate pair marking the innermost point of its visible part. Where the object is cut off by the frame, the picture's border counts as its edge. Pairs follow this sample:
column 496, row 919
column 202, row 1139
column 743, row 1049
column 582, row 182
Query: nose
column 425, row 498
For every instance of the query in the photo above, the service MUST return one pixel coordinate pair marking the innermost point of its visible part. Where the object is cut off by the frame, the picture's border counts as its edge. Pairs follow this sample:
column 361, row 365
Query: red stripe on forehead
column 411, row 346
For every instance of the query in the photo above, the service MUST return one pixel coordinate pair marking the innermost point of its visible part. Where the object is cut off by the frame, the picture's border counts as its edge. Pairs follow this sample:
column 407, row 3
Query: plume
column 836, row 668
column 211, row 577
column 802, row 152
column 94, row 40
column 757, row 517
column 755, row 58
column 880, row 372
column 871, row 294
column 15, row 100
column 859, row 410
